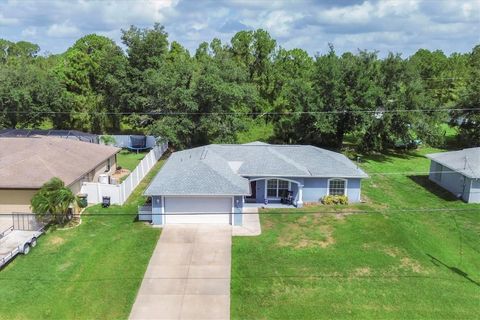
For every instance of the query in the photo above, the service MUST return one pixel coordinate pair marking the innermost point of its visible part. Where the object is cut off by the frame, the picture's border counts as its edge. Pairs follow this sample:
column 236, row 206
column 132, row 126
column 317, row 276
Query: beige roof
column 27, row 163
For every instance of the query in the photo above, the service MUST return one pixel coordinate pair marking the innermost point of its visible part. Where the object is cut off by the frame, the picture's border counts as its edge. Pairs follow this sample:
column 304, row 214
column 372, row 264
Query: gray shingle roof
column 466, row 161
column 221, row 169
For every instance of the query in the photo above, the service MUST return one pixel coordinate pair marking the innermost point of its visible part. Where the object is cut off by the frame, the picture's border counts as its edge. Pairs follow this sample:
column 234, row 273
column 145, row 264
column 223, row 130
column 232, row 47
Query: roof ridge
column 288, row 160
column 45, row 165
column 225, row 178
column 215, row 154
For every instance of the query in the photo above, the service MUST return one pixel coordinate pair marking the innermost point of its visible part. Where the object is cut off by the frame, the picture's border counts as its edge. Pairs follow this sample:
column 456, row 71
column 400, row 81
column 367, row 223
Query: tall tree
column 468, row 120
column 145, row 47
column 93, row 71
column 170, row 92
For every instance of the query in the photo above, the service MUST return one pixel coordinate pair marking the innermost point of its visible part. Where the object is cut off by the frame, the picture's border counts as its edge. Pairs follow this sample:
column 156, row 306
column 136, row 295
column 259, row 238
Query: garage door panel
column 203, row 209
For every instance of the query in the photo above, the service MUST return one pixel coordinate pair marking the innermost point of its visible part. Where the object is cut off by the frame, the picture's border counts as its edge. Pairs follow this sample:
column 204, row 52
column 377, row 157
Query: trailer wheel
column 33, row 243
column 26, row 249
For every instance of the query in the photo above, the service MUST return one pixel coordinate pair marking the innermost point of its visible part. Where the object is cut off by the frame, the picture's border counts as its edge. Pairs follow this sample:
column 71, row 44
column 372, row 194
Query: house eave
column 453, row 169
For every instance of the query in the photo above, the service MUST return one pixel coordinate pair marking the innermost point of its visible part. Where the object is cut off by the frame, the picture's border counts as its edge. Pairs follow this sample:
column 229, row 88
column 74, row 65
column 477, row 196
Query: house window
column 336, row 187
column 277, row 188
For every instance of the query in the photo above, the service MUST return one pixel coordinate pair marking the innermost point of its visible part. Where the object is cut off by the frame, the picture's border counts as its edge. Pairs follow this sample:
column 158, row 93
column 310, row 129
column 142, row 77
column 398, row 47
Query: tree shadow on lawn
column 423, row 181
column 390, row 155
column 461, row 273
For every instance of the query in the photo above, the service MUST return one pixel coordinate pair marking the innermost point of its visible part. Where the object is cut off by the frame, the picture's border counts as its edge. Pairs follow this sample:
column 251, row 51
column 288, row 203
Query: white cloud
column 385, row 25
column 7, row 21
column 29, row 32
column 62, row 30
column 348, row 15
column 278, row 22
column 127, row 12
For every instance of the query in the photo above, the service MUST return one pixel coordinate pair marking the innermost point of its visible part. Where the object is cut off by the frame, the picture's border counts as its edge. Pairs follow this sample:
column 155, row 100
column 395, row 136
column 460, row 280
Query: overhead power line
column 163, row 113
column 292, row 212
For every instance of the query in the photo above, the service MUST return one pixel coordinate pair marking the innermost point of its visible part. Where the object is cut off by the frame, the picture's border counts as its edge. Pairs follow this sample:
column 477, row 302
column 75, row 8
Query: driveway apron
column 188, row 276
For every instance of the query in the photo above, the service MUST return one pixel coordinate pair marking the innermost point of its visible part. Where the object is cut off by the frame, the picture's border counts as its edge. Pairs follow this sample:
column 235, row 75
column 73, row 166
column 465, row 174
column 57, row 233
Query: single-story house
column 27, row 163
column 458, row 172
column 210, row 184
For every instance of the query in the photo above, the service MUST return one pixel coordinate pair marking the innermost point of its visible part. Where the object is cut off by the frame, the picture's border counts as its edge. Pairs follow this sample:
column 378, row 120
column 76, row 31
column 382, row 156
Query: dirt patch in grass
column 64, row 266
column 410, row 264
column 56, row 240
column 392, row 251
column 359, row 272
column 119, row 174
column 301, row 237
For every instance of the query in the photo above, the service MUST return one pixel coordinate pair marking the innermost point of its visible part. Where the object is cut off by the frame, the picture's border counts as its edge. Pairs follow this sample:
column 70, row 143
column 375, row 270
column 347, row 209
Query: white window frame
column 341, row 179
column 277, row 197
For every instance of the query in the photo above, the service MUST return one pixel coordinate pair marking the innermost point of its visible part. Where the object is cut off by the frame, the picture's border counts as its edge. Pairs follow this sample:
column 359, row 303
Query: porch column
column 300, row 196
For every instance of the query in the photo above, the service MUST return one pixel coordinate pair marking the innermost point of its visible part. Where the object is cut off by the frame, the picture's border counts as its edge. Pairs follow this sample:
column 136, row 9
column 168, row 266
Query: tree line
column 247, row 89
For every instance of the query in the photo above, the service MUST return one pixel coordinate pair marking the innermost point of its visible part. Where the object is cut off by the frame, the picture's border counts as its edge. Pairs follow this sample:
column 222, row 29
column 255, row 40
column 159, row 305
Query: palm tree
column 53, row 199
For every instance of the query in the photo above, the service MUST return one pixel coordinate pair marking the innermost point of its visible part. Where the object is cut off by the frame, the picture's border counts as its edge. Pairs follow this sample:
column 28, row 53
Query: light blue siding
column 447, row 178
column 459, row 185
column 314, row 189
column 237, row 210
column 157, row 217
column 474, row 191
column 353, row 190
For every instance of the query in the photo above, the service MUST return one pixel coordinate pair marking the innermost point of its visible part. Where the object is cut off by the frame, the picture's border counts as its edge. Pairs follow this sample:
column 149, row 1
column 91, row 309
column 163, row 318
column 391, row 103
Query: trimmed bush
column 330, row 199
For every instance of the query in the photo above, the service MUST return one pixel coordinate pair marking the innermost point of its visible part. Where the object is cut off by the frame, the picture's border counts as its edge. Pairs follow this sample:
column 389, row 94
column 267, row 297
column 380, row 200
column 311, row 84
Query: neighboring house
column 216, row 181
column 27, row 163
column 65, row 134
column 458, row 172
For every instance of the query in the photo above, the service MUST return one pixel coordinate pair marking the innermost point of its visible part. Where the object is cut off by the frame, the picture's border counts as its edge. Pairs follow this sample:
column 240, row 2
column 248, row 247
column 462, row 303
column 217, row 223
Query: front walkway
column 251, row 223
column 188, row 276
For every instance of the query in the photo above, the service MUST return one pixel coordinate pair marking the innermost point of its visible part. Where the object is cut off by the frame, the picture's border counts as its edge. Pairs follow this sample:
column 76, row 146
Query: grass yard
column 92, row 271
column 129, row 160
column 324, row 262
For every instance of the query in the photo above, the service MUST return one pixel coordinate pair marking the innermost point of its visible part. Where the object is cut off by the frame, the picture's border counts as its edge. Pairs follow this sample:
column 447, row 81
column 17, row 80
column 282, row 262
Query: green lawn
column 129, row 160
column 90, row 272
column 324, row 262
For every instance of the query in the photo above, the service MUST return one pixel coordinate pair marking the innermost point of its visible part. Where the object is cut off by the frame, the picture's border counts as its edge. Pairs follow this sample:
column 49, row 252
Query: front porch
column 273, row 192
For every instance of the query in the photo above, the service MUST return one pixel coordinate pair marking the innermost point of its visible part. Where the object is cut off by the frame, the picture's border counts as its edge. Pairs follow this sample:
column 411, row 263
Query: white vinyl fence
column 119, row 193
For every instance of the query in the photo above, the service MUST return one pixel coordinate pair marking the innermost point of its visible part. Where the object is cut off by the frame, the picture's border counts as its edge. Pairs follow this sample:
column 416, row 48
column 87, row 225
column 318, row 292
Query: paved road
column 188, row 276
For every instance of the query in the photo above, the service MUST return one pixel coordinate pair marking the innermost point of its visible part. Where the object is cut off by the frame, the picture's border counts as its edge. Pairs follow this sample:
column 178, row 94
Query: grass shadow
column 432, row 187
column 455, row 270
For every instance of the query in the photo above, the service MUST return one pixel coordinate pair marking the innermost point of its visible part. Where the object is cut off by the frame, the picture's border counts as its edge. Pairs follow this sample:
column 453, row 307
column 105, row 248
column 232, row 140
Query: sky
column 399, row 26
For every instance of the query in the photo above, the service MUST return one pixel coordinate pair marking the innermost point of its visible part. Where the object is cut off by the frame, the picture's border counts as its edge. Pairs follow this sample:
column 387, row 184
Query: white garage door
column 212, row 209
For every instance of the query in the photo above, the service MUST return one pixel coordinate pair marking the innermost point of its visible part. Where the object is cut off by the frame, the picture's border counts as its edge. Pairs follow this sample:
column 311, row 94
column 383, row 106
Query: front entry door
column 253, row 188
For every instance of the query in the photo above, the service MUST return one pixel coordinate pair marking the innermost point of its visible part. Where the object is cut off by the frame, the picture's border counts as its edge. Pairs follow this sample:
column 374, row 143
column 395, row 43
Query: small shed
column 457, row 172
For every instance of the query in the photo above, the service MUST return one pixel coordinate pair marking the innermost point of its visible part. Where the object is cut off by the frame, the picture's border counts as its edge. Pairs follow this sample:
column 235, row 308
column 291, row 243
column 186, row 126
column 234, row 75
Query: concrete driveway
column 188, row 276
column 5, row 221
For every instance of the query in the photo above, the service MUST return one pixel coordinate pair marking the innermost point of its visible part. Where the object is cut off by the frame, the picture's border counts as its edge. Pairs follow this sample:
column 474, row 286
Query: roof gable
column 466, row 161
